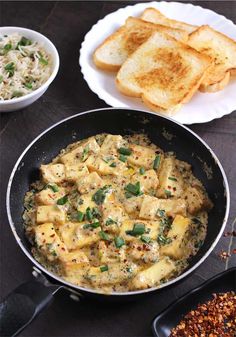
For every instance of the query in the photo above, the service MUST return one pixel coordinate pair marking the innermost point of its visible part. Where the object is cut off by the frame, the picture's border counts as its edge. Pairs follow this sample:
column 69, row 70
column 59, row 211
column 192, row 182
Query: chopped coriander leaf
column 122, row 158
column 43, row 61
column 1, row 78
column 110, row 222
column 28, row 85
column 6, row 48
column 80, row 216
column 145, row 238
column 85, row 153
column 63, row 200
column 104, row 236
column 168, row 193
column 10, row 68
column 104, row 268
column 138, row 229
column 96, row 213
column 92, row 225
column 24, row 42
column 128, row 195
column 54, row 187
column 124, row 151
column 163, row 240
column 134, row 189
column 119, row 241
column 142, row 170
column 113, row 164
column 156, row 162
column 89, row 214
column 100, row 195
column 172, row 178
column 17, row 94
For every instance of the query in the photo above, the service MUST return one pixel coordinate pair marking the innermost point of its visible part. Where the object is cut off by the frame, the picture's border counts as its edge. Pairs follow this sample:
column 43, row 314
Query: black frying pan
column 23, row 304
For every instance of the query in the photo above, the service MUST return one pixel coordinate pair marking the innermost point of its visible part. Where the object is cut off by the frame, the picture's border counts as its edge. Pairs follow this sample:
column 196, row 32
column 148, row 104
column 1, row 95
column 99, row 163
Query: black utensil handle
column 21, row 306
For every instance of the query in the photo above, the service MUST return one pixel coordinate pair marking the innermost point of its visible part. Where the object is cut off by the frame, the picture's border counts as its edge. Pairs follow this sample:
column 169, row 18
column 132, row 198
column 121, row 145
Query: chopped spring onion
column 156, row 162
column 119, row 241
column 124, row 151
column 138, row 229
column 63, row 200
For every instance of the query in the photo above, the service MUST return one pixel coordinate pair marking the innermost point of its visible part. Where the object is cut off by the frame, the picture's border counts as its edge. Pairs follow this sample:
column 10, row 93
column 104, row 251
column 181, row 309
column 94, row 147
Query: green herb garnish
column 168, row 193
column 163, row 240
column 43, row 61
column 138, row 229
column 10, row 68
column 100, row 195
column 124, row 151
column 54, row 187
column 89, row 214
column 172, row 178
column 122, row 158
column 1, row 78
column 96, row 213
column 63, row 200
column 80, row 216
column 119, row 241
column 104, row 268
column 92, row 225
column 133, row 190
column 156, row 162
column 28, row 85
column 142, row 170
column 6, row 48
column 24, row 42
column 145, row 238
column 113, row 164
column 104, row 236
column 85, row 153
column 110, row 222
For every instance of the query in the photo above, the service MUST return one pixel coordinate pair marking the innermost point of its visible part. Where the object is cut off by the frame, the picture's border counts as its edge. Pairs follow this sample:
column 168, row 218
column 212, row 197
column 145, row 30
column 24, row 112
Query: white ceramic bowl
column 23, row 101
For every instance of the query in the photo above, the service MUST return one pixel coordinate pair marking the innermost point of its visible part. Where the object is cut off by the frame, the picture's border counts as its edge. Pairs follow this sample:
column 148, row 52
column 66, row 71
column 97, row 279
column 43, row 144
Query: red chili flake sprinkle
column 174, row 188
column 216, row 318
column 52, row 236
column 62, row 248
column 223, row 255
column 169, row 187
column 234, row 251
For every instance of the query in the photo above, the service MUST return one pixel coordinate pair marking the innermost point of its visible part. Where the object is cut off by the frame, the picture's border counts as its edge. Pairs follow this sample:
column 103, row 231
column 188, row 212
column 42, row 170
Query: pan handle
column 23, row 304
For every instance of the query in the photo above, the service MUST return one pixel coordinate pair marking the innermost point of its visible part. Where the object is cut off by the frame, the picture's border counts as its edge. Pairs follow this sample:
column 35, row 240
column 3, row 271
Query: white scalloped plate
column 203, row 107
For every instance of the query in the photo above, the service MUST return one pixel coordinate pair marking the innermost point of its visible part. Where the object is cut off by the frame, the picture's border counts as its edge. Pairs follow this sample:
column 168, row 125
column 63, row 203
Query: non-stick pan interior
column 163, row 132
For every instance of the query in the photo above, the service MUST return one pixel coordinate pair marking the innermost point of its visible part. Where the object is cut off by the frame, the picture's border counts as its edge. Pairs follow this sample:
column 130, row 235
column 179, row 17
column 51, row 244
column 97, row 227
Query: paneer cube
column 48, row 242
column 114, row 167
column 86, row 202
column 73, row 261
column 196, row 200
column 48, row 196
column 177, row 247
column 151, row 205
column 152, row 276
column 152, row 229
column 116, row 273
column 132, row 205
column 141, row 156
column 111, row 143
column 108, row 253
column 148, row 181
column 76, row 171
column 89, row 183
column 170, row 180
column 75, row 236
column 53, row 173
column 81, row 152
column 52, row 213
column 113, row 215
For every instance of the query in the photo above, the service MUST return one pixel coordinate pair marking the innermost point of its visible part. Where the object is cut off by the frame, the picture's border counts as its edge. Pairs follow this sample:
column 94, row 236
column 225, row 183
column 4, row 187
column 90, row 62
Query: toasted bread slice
column 217, row 86
column 155, row 16
column 221, row 49
column 112, row 53
column 164, row 72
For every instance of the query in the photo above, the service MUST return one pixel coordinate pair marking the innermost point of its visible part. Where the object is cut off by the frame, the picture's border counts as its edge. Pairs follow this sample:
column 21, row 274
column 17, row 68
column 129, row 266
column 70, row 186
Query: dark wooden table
column 66, row 23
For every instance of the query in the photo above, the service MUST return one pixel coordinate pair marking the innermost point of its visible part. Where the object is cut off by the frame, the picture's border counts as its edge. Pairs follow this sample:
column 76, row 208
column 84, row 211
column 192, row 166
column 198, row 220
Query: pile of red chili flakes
column 215, row 318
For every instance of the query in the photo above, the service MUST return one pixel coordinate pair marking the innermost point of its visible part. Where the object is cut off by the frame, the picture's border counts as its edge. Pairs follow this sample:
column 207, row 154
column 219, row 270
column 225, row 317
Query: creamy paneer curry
column 116, row 214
